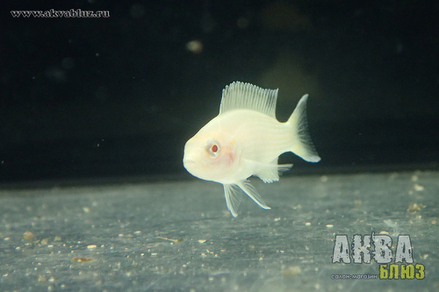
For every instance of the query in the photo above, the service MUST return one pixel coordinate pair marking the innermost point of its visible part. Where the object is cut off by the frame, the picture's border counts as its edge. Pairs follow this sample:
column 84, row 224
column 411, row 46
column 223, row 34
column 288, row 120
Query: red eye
column 214, row 148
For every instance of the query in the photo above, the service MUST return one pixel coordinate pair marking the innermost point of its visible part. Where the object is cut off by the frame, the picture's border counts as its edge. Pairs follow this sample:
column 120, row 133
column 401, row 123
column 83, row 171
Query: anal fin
column 252, row 193
column 232, row 193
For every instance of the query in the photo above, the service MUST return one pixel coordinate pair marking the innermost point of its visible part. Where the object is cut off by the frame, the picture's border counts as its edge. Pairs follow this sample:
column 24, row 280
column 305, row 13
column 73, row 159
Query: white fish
column 246, row 139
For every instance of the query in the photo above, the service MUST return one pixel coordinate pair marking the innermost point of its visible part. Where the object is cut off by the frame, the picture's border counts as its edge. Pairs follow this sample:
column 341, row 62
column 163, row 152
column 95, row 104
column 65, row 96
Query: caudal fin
column 303, row 145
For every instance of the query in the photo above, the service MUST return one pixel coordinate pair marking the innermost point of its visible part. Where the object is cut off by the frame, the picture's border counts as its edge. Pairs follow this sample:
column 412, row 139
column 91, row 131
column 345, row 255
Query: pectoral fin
column 268, row 172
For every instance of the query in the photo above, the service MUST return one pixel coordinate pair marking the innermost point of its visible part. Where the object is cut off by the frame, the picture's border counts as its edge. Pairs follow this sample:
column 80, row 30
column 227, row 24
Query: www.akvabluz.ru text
column 52, row 13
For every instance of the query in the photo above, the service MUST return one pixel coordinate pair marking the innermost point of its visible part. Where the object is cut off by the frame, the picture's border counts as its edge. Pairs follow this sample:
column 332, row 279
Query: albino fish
column 246, row 139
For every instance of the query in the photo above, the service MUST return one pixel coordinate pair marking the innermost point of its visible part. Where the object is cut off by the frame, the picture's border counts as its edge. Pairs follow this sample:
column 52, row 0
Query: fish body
column 246, row 139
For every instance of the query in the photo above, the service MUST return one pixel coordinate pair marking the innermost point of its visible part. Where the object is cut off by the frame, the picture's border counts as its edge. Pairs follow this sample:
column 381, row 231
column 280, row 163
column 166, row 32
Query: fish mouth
column 187, row 161
column 190, row 165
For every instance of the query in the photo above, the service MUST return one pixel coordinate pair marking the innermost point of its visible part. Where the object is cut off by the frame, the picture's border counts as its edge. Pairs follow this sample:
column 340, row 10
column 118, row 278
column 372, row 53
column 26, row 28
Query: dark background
column 119, row 96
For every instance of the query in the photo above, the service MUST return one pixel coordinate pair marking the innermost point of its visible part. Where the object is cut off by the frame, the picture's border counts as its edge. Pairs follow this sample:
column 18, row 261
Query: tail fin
column 303, row 145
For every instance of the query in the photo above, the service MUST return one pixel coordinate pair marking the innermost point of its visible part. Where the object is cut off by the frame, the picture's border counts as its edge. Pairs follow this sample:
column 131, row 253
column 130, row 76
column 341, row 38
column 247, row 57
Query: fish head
column 211, row 157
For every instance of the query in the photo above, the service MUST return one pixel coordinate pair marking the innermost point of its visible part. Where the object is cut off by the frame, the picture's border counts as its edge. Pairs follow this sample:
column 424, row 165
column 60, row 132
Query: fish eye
column 213, row 147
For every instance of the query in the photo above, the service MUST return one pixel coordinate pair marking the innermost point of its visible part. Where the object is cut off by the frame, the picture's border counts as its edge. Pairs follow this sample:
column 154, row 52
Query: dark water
column 119, row 96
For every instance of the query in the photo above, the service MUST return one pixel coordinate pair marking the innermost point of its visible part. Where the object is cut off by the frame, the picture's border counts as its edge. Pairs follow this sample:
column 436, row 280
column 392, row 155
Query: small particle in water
column 91, row 246
column 329, row 225
column 153, row 254
column 414, row 177
column 41, row 278
column 415, row 207
column 276, row 219
column 86, row 209
column 390, row 223
column 323, row 178
column 308, row 223
column 418, row 188
column 297, row 207
column 201, row 240
column 170, row 239
column 393, row 176
column 28, row 235
column 82, row 259
column 384, row 232
column 195, row 46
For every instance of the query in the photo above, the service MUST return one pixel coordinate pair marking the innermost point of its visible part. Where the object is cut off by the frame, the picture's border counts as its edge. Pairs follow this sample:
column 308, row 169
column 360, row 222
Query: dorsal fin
column 239, row 95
